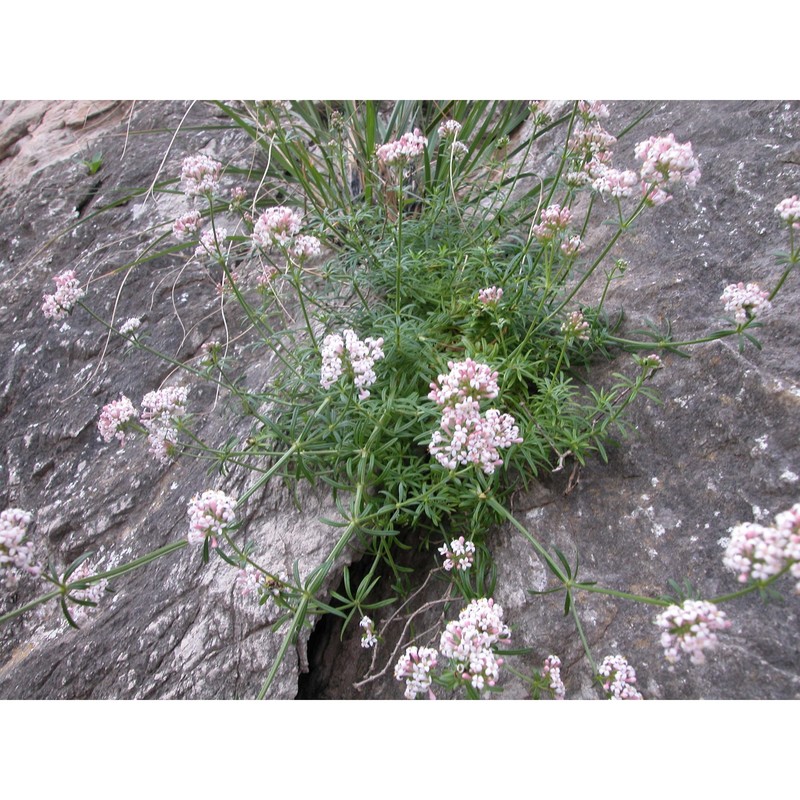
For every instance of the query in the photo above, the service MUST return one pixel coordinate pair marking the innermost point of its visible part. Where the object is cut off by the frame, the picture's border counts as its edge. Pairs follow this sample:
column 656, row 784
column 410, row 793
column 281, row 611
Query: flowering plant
column 430, row 319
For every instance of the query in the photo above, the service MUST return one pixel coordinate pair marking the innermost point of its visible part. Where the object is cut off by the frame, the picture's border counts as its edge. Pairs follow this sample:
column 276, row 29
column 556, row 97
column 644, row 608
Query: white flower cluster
column 16, row 554
column 130, row 326
column 459, row 555
column 789, row 210
column 209, row 514
column 552, row 669
column 690, row 629
column 415, row 666
column 368, row 637
column 575, row 325
column 620, row 677
column 449, row 129
column 745, row 301
column 468, row 642
column 348, row 355
column 161, row 411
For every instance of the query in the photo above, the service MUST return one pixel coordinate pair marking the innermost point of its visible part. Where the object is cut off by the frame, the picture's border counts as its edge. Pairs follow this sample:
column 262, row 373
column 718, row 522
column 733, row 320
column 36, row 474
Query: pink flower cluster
column 68, row 292
column 115, row 420
column 554, row 219
column 348, row 355
column 200, row 175
column 465, row 435
column 789, row 211
column 666, row 164
column 467, row 381
column 402, row 150
column 468, row 642
column 552, row 669
column 368, row 637
column 619, row 678
column 490, row 296
column 415, row 666
column 187, row 225
column 576, row 326
column 161, row 411
column 745, row 301
column 16, row 554
column 757, row 552
column 690, row 629
column 209, row 514
column 459, row 555
column 276, row 226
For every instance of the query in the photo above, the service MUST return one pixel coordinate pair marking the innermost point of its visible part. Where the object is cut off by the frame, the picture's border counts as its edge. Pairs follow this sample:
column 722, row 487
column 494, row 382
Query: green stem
column 500, row 509
column 584, row 641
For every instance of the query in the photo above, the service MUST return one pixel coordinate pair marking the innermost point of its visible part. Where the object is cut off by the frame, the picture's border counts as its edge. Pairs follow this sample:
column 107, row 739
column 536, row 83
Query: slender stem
column 653, row 601
column 584, row 641
column 524, row 531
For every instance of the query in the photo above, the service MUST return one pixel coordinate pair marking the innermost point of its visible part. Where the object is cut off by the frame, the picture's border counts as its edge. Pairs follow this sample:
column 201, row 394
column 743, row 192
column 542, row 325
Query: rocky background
column 720, row 449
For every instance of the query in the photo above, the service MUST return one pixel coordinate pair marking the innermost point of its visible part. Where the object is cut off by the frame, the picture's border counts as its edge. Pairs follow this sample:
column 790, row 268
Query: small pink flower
column 572, row 246
column 161, row 412
column 449, row 129
column 467, row 380
column 211, row 243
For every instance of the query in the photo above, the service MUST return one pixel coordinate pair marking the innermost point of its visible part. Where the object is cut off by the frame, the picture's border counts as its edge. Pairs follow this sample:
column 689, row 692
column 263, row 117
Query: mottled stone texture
column 720, row 449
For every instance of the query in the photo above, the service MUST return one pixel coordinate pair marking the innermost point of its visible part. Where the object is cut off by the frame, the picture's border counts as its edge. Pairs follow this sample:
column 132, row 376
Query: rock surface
column 721, row 448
